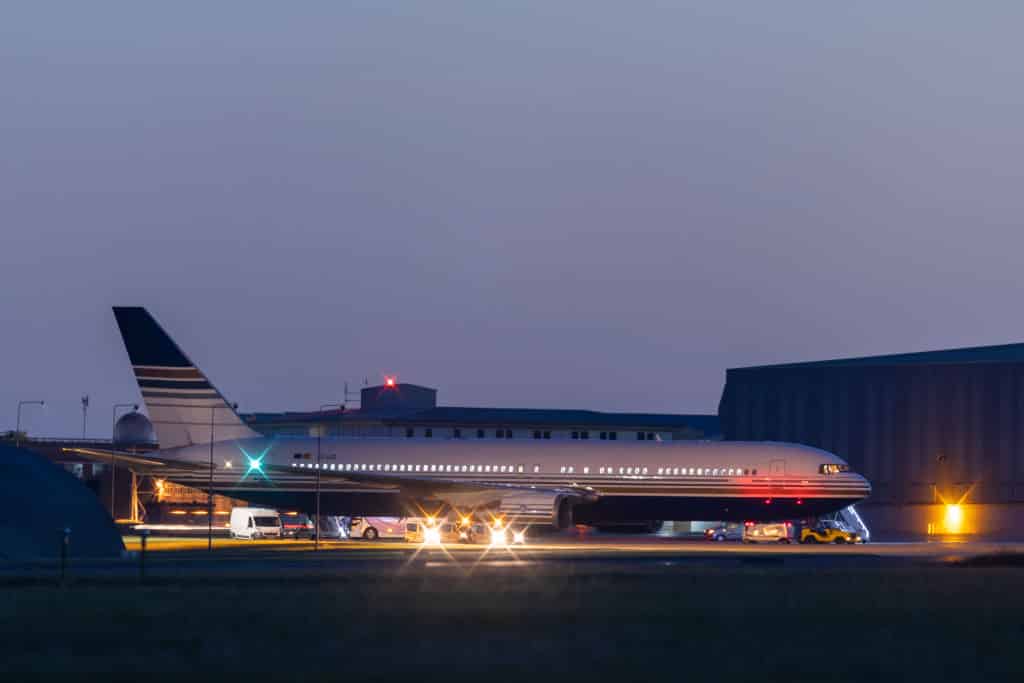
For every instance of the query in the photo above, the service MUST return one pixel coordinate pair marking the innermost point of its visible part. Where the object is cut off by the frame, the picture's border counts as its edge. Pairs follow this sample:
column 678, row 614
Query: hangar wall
column 923, row 428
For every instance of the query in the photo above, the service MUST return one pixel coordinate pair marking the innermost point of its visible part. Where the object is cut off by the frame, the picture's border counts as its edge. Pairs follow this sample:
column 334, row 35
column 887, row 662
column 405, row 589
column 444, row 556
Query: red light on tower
column 389, row 381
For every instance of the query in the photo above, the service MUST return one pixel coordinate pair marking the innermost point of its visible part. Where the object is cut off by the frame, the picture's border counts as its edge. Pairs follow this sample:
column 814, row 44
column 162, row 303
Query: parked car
column 829, row 531
column 773, row 532
column 729, row 531
column 253, row 523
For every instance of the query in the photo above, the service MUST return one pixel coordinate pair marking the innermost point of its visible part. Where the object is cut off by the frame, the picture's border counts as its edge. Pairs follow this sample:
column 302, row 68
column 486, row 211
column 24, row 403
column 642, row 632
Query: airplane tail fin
column 183, row 405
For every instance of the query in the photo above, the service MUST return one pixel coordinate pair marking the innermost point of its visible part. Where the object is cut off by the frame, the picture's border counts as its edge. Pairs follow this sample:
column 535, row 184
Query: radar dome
column 133, row 429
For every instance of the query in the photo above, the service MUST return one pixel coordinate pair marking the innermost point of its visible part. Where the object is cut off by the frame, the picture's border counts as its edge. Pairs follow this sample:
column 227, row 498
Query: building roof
column 1004, row 353
column 505, row 417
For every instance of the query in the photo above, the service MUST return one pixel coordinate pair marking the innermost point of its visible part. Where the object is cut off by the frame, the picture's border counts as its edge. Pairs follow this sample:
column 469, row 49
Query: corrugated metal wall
column 907, row 428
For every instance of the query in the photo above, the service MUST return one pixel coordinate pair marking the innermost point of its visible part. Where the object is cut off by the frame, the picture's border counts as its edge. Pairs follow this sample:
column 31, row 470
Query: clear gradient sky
column 529, row 204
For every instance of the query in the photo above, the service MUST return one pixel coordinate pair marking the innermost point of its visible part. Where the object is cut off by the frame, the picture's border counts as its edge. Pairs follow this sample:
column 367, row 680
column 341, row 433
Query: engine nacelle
column 538, row 508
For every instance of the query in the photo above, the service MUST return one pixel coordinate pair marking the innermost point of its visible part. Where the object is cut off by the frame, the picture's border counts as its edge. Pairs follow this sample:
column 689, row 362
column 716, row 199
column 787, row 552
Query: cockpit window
column 834, row 468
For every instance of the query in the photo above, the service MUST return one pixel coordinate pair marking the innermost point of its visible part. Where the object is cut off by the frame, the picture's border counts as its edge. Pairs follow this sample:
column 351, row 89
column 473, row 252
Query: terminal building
column 398, row 410
column 939, row 434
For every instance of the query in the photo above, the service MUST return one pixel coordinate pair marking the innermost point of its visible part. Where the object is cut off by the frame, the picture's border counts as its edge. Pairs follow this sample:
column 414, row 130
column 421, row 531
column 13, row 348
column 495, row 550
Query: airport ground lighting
column 17, row 427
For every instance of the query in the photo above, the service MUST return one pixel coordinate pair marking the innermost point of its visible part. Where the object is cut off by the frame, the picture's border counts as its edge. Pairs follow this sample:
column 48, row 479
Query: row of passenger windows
column 665, row 471
column 456, row 433
column 392, row 467
column 520, row 469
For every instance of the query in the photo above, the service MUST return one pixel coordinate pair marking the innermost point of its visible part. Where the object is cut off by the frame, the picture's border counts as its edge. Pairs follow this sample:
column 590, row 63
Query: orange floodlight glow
column 953, row 519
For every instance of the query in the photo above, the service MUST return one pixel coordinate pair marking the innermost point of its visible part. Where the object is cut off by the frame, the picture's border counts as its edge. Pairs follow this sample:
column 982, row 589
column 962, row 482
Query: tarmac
column 187, row 558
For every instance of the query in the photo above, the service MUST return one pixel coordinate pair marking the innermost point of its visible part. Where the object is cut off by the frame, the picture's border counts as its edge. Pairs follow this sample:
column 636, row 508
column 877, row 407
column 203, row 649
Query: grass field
column 671, row 623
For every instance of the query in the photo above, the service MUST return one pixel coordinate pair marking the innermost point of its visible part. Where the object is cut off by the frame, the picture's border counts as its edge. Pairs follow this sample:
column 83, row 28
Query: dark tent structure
column 40, row 501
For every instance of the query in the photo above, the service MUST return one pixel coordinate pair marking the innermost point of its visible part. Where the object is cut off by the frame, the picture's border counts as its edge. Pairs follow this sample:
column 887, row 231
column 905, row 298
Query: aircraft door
column 777, row 467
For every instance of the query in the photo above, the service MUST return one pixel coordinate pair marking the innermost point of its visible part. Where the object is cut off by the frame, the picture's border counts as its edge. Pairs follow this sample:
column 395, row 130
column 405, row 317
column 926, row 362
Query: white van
column 253, row 523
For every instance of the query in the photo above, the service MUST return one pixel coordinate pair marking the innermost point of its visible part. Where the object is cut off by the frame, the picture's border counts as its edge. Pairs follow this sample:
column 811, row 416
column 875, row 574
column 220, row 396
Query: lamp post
column 113, row 447
column 319, row 432
column 209, row 490
column 17, row 428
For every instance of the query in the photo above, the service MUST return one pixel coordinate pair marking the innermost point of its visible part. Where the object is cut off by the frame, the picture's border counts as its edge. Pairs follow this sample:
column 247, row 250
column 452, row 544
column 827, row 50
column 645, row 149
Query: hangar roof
column 1004, row 353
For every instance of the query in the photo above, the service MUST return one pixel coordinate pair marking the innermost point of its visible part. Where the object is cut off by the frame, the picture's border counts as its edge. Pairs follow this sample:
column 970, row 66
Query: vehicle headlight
column 431, row 536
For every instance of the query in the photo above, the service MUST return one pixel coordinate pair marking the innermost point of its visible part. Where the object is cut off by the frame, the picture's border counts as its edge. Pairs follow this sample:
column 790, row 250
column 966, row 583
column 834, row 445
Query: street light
column 319, row 432
column 113, row 447
column 17, row 428
column 209, row 490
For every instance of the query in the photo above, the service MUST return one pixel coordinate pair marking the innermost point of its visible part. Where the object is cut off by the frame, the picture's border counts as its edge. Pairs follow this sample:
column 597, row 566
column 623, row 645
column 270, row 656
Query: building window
column 456, row 433
column 547, row 435
column 520, row 469
column 613, row 436
column 508, row 433
column 584, row 435
column 586, row 470
column 409, row 432
column 499, row 433
column 536, row 469
column 639, row 436
column 575, row 435
column 479, row 433
column 536, row 433
column 428, row 432
column 650, row 436
column 604, row 436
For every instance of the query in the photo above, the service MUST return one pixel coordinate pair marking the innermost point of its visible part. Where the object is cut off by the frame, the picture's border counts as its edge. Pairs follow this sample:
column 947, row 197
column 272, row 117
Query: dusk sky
column 525, row 204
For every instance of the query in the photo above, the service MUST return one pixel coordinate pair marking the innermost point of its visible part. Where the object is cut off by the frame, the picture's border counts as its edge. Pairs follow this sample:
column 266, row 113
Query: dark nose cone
column 133, row 429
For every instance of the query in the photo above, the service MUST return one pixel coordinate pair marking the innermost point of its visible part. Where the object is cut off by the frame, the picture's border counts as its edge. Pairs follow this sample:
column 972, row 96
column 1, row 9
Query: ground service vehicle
column 430, row 531
column 331, row 528
column 253, row 523
column 296, row 525
column 730, row 531
column 476, row 532
column 829, row 531
column 774, row 532
column 372, row 528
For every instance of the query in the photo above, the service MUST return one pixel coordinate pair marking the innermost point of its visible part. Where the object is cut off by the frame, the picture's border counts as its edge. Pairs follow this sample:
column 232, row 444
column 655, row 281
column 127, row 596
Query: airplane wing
column 438, row 486
column 143, row 464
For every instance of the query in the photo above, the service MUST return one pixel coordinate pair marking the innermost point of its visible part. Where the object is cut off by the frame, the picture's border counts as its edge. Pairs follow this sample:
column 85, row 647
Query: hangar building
column 929, row 430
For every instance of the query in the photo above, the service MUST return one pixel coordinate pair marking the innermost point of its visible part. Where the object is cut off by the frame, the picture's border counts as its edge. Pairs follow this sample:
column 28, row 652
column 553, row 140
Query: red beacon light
column 389, row 381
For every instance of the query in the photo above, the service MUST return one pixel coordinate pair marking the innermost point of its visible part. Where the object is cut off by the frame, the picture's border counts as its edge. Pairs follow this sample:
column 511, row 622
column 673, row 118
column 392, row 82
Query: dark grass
column 667, row 623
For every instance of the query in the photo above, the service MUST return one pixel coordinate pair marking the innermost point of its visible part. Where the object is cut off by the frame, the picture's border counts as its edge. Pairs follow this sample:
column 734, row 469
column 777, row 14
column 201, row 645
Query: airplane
column 205, row 444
